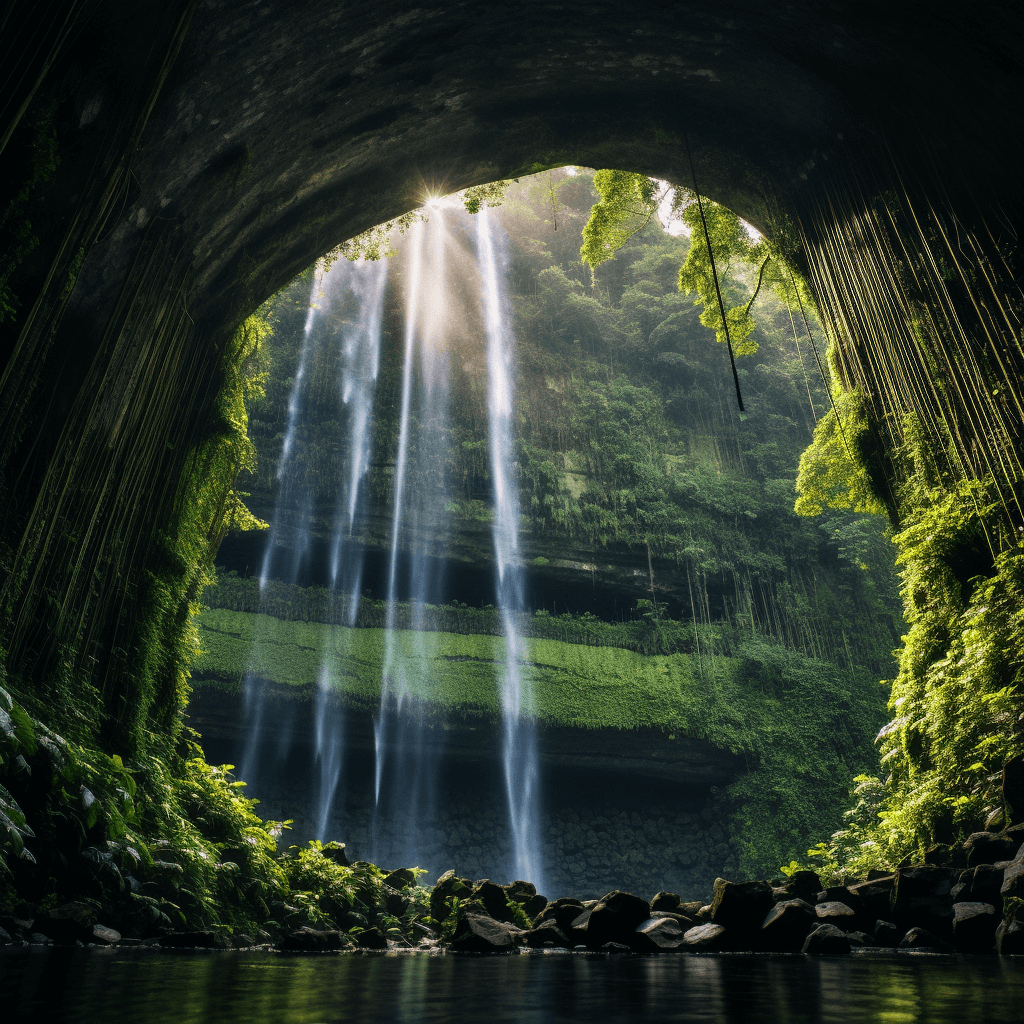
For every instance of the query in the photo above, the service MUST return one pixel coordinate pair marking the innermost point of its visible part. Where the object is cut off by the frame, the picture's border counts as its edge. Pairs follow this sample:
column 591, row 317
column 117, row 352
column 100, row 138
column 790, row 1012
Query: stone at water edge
column 665, row 901
column 478, row 934
column 494, row 900
column 802, row 885
column 887, row 934
column 1013, row 789
column 786, row 926
column 195, row 940
column 547, row 933
column 311, row 940
column 1013, row 878
column 974, row 927
column 741, row 906
column 709, row 937
column 826, row 940
column 1010, row 935
column 657, row 934
column 860, row 939
column 564, row 911
column 988, row 847
column 614, row 918
column 921, row 938
column 922, row 898
column 447, row 887
column 872, row 899
column 979, row 885
column 836, row 913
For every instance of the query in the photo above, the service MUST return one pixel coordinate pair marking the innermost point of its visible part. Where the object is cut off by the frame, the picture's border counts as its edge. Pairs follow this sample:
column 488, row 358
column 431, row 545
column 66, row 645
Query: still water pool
column 113, row 986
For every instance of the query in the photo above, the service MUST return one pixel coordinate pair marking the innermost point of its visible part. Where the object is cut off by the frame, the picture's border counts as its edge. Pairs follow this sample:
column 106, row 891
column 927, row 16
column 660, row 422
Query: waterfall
column 405, row 753
column 519, row 732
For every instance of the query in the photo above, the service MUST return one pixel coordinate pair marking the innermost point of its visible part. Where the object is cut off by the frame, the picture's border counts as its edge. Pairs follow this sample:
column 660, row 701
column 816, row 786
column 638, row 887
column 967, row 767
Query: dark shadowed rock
column 786, row 926
column 614, row 918
column 921, row 938
column 448, row 887
column 668, row 901
column 370, row 938
column 525, row 895
column 860, row 939
column 336, row 852
column 741, row 906
column 195, row 940
column 494, row 900
column 657, row 934
column 5, row 938
column 921, row 897
column 979, row 885
column 563, row 911
column 709, row 937
column 836, row 894
column 615, row 947
column 872, row 899
column 974, row 927
column 1013, row 789
column 802, row 885
column 310, row 940
column 547, row 934
column 839, row 914
column 478, row 934
column 826, row 940
column 988, row 847
column 402, row 878
column 1013, row 878
column 1010, row 935
column 887, row 934
column 67, row 924
column 104, row 936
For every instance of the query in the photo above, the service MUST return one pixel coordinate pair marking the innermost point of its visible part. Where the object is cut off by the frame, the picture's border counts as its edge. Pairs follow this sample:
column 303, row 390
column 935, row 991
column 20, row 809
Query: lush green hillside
column 805, row 726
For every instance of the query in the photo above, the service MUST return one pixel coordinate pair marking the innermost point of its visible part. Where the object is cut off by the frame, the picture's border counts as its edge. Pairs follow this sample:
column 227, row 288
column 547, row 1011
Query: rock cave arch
column 209, row 151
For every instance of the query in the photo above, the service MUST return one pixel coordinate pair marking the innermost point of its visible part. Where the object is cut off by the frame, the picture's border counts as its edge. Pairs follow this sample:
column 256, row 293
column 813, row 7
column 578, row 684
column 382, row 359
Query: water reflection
column 117, row 986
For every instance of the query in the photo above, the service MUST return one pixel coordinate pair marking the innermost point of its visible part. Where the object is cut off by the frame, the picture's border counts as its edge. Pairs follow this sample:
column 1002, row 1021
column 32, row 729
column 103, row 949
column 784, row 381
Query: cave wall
column 208, row 151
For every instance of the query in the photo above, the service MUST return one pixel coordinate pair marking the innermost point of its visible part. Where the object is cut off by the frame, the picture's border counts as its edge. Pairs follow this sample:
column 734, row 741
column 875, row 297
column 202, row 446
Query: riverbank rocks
column 548, row 935
column 311, row 940
column 826, row 940
column 988, row 847
column 1013, row 878
column 75, row 922
column 657, row 935
column 1010, row 934
column 741, row 906
column 614, row 918
column 194, row 940
column 705, row 938
column 839, row 914
column 448, row 887
column 786, row 926
column 921, row 938
column 922, row 898
column 974, row 927
column 477, row 933
column 802, row 885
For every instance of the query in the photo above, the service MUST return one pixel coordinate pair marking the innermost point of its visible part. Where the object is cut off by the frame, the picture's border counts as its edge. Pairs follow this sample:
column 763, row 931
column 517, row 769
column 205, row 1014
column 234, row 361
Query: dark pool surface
column 111, row 986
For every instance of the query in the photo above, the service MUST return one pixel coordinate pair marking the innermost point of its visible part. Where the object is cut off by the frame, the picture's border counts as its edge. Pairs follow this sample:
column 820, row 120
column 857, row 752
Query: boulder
column 493, row 899
column 922, row 897
column 562, row 911
column 524, row 894
column 658, row 934
column 988, row 847
column 887, row 934
column 614, row 919
column 872, row 899
column 974, row 927
column 476, row 933
column 449, row 886
column 836, row 894
column 194, row 940
column 921, row 938
column 708, row 937
column 370, row 938
column 826, row 940
column 336, row 852
column 1010, row 935
column 104, row 936
column 402, row 878
column 860, row 939
column 665, row 901
column 547, row 934
column 310, row 940
column 67, row 924
column 786, row 926
column 614, row 947
column 1013, row 878
column 741, row 906
column 980, row 884
column 5, row 938
column 802, row 885
column 839, row 914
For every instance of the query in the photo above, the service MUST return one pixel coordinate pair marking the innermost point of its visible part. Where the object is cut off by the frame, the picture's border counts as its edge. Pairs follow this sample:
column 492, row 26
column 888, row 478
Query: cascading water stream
column 360, row 287
column 404, row 769
column 519, row 733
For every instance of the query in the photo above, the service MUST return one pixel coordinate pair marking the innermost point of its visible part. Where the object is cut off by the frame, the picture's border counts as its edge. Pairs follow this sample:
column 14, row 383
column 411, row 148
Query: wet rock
column 614, row 947
column 104, row 936
column 922, row 938
column 493, row 899
column 979, row 885
column 448, row 887
column 988, row 847
column 563, row 911
column 194, row 940
column 665, row 901
column 836, row 894
column 310, row 940
column 1013, row 878
column 614, row 918
column 887, row 934
column 709, row 937
column 38, row 939
column 68, row 923
column 801, row 885
column 547, row 934
column 921, row 897
column 974, row 927
column 525, row 895
column 5, row 937
column 478, row 934
column 839, row 914
column 243, row 940
column 872, row 899
column 860, row 939
column 741, row 906
column 658, row 934
column 786, row 926
column 400, row 879
column 1010, row 935
column 826, row 940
